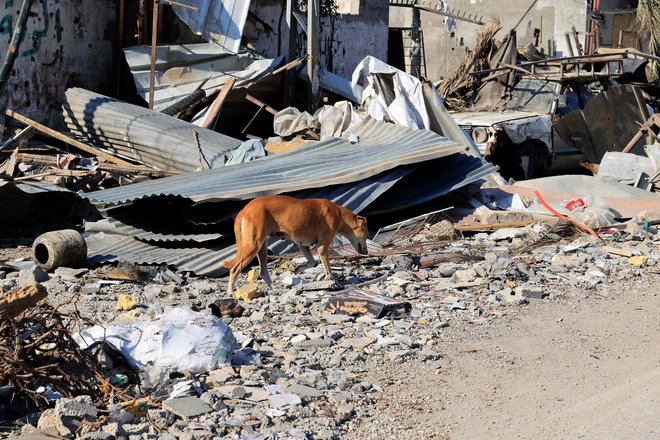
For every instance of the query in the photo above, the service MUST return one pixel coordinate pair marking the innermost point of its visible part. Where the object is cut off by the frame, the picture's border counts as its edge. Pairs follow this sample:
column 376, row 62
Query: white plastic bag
column 178, row 340
column 590, row 210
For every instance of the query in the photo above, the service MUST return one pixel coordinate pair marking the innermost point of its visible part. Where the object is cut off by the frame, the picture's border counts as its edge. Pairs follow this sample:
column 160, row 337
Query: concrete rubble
column 301, row 371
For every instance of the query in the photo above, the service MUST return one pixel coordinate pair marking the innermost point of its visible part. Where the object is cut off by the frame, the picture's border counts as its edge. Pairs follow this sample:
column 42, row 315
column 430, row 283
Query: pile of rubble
column 306, row 354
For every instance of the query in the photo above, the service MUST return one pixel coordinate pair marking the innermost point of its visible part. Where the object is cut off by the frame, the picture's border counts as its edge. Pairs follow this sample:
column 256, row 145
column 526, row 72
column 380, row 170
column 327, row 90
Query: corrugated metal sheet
column 181, row 68
column 382, row 147
column 141, row 134
column 108, row 248
column 391, row 168
column 220, row 21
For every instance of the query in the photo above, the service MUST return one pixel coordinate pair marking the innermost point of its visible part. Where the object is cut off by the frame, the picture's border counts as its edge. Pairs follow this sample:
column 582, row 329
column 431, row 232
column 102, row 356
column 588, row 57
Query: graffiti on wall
column 42, row 28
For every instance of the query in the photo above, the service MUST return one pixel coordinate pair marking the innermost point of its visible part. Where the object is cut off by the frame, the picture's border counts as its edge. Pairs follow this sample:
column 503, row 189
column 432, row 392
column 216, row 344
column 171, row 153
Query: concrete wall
column 68, row 43
column 360, row 29
column 445, row 49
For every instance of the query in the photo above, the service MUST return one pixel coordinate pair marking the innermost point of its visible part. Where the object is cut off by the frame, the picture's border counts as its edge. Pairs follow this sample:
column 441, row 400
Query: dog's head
column 360, row 234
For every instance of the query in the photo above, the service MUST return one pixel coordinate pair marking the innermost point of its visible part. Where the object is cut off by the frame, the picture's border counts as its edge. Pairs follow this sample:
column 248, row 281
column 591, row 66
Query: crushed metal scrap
column 181, row 68
column 367, row 177
column 382, row 147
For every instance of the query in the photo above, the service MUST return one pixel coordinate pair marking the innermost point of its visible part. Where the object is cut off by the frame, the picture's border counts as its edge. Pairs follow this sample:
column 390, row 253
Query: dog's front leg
column 263, row 263
column 307, row 253
column 323, row 253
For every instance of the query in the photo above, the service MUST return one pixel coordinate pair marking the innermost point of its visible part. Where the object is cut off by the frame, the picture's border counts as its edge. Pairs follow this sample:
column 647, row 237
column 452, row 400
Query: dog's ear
column 360, row 220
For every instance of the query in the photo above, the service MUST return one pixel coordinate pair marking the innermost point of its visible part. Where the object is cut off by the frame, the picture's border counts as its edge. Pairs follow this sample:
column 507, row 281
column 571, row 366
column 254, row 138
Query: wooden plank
column 154, row 40
column 64, row 138
column 16, row 301
column 260, row 103
column 212, row 117
column 478, row 227
column 51, row 161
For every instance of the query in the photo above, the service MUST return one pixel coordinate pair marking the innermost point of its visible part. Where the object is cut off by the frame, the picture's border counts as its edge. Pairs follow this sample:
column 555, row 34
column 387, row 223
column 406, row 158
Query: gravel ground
column 559, row 341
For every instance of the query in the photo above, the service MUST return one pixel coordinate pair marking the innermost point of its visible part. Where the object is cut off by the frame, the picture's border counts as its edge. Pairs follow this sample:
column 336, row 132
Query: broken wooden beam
column 13, row 303
column 66, row 139
column 212, row 117
column 260, row 103
column 40, row 159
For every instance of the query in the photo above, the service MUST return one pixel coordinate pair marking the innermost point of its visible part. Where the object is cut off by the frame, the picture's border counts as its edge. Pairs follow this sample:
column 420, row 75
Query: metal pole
column 120, row 43
column 313, row 37
column 154, row 40
column 290, row 36
column 14, row 44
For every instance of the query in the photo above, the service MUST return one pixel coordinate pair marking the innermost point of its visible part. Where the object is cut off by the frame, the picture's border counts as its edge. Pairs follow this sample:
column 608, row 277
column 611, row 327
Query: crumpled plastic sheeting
column 177, row 340
column 407, row 107
column 332, row 121
column 591, row 210
column 249, row 150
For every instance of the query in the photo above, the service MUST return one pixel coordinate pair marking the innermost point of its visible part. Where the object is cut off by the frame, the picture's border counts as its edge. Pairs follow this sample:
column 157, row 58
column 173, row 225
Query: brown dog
column 306, row 222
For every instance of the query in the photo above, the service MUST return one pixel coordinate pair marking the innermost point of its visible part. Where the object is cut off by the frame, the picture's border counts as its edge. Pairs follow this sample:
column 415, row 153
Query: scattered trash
column 178, row 340
column 360, row 302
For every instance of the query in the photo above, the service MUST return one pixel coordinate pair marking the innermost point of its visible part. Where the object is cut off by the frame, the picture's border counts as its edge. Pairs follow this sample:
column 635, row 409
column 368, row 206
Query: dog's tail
column 237, row 235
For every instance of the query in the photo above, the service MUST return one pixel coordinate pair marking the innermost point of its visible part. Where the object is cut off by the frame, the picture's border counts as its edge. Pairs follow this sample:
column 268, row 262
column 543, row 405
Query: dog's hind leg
column 307, row 253
column 263, row 263
column 323, row 253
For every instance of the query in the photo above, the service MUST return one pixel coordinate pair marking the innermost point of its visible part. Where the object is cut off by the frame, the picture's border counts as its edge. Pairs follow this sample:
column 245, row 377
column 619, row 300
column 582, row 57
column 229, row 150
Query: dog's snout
column 362, row 249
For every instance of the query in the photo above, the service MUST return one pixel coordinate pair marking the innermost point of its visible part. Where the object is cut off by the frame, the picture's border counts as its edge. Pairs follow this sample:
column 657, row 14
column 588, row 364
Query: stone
column 298, row 339
column 530, row 292
column 253, row 274
column 247, row 292
column 340, row 397
column 238, row 392
column 202, row 287
column 36, row 274
column 464, row 276
column 459, row 305
column 115, row 429
column 98, row 435
column 68, row 273
column 394, row 290
column 187, row 407
column 90, row 289
column 344, row 413
column 125, row 302
column 69, row 414
column 315, row 343
column 336, row 318
column 404, row 340
column 641, row 260
column 303, row 390
column 398, row 262
column 619, row 251
column 47, row 421
column 357, row 343
column 278, row 401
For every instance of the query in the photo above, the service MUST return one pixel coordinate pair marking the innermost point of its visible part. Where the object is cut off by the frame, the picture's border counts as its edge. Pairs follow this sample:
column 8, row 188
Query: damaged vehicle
column 520, row 138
